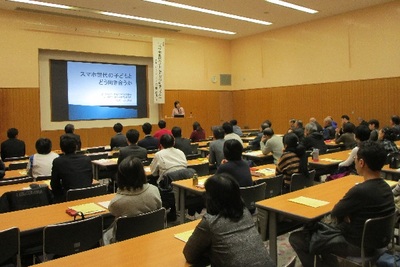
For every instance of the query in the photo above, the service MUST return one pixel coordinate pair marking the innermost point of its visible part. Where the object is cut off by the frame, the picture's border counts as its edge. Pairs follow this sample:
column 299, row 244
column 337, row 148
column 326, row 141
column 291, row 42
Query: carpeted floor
column 285, row 251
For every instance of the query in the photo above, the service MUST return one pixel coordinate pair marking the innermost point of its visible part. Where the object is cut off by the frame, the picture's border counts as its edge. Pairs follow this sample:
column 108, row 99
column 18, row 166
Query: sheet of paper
column 311, row 202
column 266, row 171
column 147, row 169
column 184, row 236
column 104, row 204
column 254, row 153
column 88, row 208
column 332, row 160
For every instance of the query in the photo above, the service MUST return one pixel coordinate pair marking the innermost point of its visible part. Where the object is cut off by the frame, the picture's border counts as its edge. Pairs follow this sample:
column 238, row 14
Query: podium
column 185, row 123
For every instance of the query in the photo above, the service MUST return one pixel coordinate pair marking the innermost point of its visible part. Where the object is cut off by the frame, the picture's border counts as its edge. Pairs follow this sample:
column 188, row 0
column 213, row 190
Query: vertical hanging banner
column 158, row 63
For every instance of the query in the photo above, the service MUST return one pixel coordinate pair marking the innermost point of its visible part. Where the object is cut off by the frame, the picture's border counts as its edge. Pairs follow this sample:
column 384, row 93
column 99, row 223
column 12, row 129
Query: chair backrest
column 96, row 149
column 18, row 165
column 31, row 198
column 10, row 246
column 68, row 238
column 393, row 159
column 201, row 169
column 252, row 194
column 273, row 185
column 195, row 148
column 43, row 178
column 92, row 191
column 131, row 226
column 300, row 181
column 98, row 156
column 16, row 180
column 16, row 158
column 193, row 156
column 378, row 232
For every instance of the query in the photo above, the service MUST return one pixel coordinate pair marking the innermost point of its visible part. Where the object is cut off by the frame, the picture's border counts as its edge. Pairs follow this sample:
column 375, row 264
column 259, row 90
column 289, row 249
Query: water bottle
column 315, row 154
column 195, row 179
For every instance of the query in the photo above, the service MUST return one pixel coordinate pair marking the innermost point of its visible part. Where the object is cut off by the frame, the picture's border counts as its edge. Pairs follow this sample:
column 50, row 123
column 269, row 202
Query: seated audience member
column 255, row 144
column 319, row 127
column 236, row 129
column 292, row 125
column 387, row 136
column 344, row 119
column 168, row 159
column 233, row 163
column 271, row 143
column 2, row 169
column 361, row 134
column 373, row 126
column 347, row 137
column 149, row 142
column 372, row 198
column 329, row 130
column 118, row 140
column 395, row 123
column 293, row 160
column 198, row 133
column 216, row 147
column 133, row 149
column 362, row 121
column 299, row 130
column 229, row 134
column 182, row 144
column 163, row 130
column 12, row 147
column 40, row 164
column 226, row 235
column 334, row 123
column 69, row 131
column 70, row 170
column 314, row 139
column 134, row 195
column 178, row 110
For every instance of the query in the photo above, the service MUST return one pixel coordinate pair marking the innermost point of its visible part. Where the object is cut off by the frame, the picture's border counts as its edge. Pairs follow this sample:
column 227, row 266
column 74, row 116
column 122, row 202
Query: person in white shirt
column 271, row 143
column 40, row 164
column 229, row 134
column 168, row 159
column 178, row 110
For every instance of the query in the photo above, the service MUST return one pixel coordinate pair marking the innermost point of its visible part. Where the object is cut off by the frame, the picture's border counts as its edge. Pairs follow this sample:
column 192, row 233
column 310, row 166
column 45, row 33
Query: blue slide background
column 78, row 112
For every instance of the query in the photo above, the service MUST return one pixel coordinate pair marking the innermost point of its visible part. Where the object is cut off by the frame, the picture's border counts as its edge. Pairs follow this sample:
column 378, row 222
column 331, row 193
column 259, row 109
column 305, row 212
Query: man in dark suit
column 132, row 149
column 69, row 131
column 181, row 143
column 118, row 140
column 70, row 170
column 149, row 142
column 12, row 147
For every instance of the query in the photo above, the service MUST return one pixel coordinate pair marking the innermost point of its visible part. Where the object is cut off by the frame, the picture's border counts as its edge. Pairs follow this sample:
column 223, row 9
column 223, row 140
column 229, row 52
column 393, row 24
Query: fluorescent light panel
column 208, row 11
column 290, row 5
column 105, row 13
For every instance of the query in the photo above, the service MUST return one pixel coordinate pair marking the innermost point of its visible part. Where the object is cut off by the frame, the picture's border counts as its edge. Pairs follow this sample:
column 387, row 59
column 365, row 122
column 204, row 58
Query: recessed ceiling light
column 208, row 11
column 38, row 3
column 290, row 5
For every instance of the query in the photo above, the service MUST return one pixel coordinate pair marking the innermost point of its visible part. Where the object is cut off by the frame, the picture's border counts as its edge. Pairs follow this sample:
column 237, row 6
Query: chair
column 31, row 198
column 18, row 165
column 300, row 181
column 10, row 246
column 132, row 226
column 292, row 262
column 98, row 156
column 16, row 158
column 92, row 191
column 43, row 178
column 252, row 194
column 72, row 237
column 273, row 186
column 377, row 234
column 193, row 156
column 96, row 149
column 195, row 148
column 16, row 180
column 201, row 169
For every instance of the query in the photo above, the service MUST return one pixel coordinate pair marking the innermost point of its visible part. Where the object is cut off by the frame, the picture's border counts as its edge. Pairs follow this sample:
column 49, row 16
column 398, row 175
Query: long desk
column 269, row 209
column 186, row 185
column 160, row 248
column 12, row 174
column 331, row 159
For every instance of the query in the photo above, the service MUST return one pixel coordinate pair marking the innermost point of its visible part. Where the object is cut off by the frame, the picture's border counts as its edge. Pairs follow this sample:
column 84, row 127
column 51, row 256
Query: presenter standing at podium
column 178, row 111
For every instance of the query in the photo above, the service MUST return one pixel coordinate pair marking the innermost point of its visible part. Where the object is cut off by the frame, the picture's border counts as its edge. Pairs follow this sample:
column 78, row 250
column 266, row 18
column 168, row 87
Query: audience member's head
column 395, row 120
column 228, row 128
column 290, row 140
column 292, row 123
column 132, row 135
column 362, row 133
column 387, row 133
column 162, row 124
column 218, row 132
column 43, row 146
column 176, row 132
column 233, row 122
column 373, row 124
column 266, row 124
column 131, row 174
column 12, row 133
column 327, row 121
column 298, row 124
column 268, row 132
column 373, row 154
column 348, row 127
column 167, row 141
column 233, row 149
column 345, row 118
column 118, row 127
column 310, row 128
column 196, row 126
column 69, row 128
column 223, row 196
column 146, row 127
column 68, row 144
